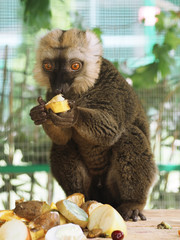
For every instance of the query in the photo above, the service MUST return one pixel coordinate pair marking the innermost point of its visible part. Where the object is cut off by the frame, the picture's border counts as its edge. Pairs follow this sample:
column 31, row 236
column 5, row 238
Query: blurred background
column 141, row 38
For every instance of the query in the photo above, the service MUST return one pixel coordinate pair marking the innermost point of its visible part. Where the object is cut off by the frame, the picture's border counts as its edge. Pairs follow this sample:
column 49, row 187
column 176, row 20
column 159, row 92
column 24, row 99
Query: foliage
column 168, row 25
column 37, row 13
column 98, row 32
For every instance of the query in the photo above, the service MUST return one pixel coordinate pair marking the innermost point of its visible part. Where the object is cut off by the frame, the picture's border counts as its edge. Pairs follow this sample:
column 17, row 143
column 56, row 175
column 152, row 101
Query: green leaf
column 172, row 39
column 37, row 13
column 160, row 50
column 145, row 76
column 160, row 24
column 163, row 58
column 98, row 33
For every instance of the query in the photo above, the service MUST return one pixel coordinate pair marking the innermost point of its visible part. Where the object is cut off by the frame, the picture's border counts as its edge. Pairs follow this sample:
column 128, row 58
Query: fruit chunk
column 37, row 233
column 65, row 232
column 108, row 219
column 7, row 215
column 31, row 209
column 89, row 206
column 117, row 235
column 72, row 212
column 53, row 206
column 97, row 232
column 58, row 104
column 46, row 220
column 77, row 198
column 63, row 220
column 14, row 229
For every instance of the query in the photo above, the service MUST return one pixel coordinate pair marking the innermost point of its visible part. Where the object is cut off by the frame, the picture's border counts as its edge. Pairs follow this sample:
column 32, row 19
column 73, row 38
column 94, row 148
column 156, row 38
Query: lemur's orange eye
column 75, row 66
column 48, row 66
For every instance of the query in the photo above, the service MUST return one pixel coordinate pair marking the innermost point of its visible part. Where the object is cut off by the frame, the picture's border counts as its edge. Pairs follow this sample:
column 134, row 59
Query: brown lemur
column 101, row 146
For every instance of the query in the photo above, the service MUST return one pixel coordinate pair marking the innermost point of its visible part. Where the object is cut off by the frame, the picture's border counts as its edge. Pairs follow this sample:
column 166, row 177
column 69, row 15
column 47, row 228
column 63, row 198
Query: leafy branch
column 37, row 14
column 168, row 25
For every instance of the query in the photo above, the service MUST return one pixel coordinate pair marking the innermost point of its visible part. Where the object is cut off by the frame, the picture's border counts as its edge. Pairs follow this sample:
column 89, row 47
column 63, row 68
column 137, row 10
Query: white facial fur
column 76, row 44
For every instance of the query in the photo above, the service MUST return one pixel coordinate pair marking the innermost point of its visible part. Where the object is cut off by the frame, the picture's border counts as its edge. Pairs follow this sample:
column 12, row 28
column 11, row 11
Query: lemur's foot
column 131, row 211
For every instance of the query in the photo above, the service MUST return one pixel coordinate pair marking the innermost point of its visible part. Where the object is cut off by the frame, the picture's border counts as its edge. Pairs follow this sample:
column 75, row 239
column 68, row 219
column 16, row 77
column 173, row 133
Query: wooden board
column 147, row 230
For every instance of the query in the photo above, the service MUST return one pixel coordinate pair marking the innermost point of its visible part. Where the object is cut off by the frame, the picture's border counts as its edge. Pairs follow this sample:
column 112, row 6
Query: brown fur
column 106, row 152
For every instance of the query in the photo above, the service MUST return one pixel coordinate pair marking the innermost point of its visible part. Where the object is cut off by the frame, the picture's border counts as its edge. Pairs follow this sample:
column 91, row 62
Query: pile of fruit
column 69, row 219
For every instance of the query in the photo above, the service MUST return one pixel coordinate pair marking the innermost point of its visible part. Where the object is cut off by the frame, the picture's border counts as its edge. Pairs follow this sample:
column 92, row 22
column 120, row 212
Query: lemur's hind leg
column 132, row 173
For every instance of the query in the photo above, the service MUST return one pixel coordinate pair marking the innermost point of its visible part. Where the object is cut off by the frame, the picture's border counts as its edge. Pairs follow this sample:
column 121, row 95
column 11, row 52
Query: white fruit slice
column 68, row 231
column 14, row 229
column 72, row 212
column 89, row 206
column 108, row 219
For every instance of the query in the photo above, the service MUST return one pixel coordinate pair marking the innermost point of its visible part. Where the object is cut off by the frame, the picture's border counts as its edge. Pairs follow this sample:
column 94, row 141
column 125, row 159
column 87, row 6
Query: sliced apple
column 89, row 206
column 14, row 229
column 77, row 198
column 68, row 231
column 72, row 212
column 108, row 219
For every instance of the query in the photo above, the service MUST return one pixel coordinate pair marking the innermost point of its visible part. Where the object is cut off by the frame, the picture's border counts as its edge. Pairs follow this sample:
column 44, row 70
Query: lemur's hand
column 65, row 119
column 39, row 113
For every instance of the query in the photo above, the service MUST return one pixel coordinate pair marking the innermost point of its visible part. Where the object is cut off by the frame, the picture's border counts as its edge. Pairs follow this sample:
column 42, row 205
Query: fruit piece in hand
column 108, row 219
column 58, row 104
column 72, row 212
column 14, row 229
column 68, row 231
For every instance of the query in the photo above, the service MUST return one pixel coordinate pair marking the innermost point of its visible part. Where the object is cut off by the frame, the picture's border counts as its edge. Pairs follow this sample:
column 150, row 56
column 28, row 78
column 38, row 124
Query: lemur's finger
column 41, row 101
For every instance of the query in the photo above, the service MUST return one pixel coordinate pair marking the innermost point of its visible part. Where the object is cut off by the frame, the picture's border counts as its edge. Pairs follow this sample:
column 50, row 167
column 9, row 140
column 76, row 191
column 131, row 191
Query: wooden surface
column 147, row 230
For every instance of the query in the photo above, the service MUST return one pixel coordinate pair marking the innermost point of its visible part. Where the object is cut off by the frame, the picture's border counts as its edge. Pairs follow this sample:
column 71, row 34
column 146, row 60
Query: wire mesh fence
column 24, row 147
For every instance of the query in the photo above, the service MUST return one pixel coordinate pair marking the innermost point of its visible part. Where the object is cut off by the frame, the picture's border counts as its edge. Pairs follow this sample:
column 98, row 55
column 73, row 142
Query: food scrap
column 164, row 225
